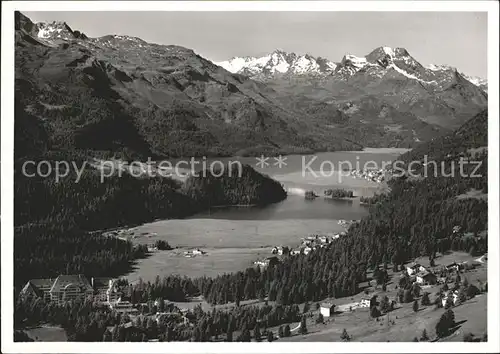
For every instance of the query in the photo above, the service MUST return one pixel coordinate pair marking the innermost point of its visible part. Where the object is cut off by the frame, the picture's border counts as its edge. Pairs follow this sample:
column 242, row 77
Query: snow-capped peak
column 389, row 51
column 475, row 80
column 47, row 30
column 278, row 62
column 57, row 31
column 435, row 67
column 376, row 64
column 358, row 62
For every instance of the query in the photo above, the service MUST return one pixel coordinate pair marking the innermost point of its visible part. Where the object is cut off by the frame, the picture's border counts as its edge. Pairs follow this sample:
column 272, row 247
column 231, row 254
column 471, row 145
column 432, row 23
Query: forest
column 339, row 193
column 416, row 218
column 55, row 221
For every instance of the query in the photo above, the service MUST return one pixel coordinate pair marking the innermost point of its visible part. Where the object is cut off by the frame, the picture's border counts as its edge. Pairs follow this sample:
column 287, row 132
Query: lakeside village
column 377, row 176
column 117, row 294
column 308, row 244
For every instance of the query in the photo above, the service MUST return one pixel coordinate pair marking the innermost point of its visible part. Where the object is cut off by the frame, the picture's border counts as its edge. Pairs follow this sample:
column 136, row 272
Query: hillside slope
column 121, row 94
column 437, row 94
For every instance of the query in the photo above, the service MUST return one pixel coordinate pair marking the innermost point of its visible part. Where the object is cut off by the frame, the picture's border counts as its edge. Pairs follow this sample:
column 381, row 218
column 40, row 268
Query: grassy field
column 231, row 245
column 235, row 244
column 216, row 261
column 47, row 334
column 406, row 326
column 222, row 233
column 471, row 315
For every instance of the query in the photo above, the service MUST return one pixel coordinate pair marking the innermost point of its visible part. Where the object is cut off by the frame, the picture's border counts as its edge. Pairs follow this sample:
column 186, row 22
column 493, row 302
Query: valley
column 315, row 236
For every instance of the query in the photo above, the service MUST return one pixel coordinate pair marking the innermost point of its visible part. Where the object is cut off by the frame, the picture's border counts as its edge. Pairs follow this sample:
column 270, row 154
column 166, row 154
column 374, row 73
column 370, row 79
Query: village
column 449, row 284
column 377, row 176
column 308, row 244
column 451, row 279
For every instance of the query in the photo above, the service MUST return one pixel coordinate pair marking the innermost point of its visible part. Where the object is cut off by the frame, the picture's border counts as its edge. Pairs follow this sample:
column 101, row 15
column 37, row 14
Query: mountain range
column 118, row 94
column 279, row 63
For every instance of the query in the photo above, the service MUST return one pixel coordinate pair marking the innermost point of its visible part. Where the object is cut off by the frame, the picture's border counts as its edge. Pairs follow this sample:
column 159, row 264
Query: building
column 280, row 250
column 454, row 295
column 70, row 288
column 113, row 293
column 415, row 268
column 101, row 288
column 453, row 266
column 267, row 262
column 426, row 278
column 364, row 302
column 327, row 309
column 37, row 288
column 123, row 307
column 66, row 288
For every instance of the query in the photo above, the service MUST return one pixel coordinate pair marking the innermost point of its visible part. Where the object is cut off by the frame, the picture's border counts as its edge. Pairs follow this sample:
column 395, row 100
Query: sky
column 458, row 39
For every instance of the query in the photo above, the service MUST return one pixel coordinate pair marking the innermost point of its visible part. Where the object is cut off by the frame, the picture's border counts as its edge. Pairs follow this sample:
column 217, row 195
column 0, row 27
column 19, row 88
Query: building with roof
column 37, row 288
column 415, row 268
column 70, row 288
column 426, row 278
column 327, row 309
column 105, row 290
column 63, row 288
column 100, row 286
column 453, row 295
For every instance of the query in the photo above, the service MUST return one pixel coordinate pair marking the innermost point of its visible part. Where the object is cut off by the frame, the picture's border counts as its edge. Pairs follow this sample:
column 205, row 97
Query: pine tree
column 424, row 337
column 245, row 335
column 468, row 337
column 320, row 318
column 270, row 336
column 384, row 304
column 281, row 332
column 303, row 325
column 415, row 306
column 445, row 323
column 345, row 336
column 256, row 332
column 107, row 337
column 287, row 331
column 407, row 297
column 425, row 301
column 375, row 312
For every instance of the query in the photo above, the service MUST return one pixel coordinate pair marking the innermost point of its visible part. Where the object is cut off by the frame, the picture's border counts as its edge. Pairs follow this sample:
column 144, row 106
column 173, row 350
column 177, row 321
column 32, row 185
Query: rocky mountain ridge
column 279, row 63
column 120, row 94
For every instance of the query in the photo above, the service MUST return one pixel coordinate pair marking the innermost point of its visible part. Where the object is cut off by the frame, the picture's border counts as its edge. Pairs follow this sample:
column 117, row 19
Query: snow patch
column 356, row 61
column 275, row 62
column 411, row 76
column 389, row 51
column 45, row 32
column 435, row 67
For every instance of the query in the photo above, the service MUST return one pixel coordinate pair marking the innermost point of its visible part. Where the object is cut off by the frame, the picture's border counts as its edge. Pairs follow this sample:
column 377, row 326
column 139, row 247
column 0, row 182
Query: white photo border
column 7, row 183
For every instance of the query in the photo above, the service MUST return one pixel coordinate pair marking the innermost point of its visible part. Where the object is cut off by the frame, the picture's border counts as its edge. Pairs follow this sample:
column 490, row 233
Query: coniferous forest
column 416, row 218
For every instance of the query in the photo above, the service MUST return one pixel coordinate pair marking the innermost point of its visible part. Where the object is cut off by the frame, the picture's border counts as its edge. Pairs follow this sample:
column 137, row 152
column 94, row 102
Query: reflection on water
column 294, row 207
column 296, row 183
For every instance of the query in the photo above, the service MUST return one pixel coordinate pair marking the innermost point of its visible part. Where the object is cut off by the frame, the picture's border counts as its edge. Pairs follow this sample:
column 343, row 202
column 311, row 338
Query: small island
column 310, row 195
column 339, row 193
column 370, row 200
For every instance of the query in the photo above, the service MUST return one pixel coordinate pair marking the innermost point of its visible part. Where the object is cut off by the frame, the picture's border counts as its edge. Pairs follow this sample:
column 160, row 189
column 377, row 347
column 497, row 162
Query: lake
column 297, row 179
column 234, row 237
